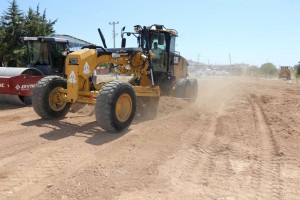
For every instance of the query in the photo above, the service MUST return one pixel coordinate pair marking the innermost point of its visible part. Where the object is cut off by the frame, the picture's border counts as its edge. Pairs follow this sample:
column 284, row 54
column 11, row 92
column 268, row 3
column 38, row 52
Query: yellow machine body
column 82, row 64
column 285, row 73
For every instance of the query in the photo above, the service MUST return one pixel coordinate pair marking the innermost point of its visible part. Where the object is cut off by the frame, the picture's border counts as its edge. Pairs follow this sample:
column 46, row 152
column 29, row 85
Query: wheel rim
column 55, row 101
column 123, row 107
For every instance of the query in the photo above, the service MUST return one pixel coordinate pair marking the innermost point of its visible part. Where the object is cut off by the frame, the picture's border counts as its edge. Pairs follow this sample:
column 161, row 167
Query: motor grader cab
column 45, row 55
column 170, row 69
column 137, row 83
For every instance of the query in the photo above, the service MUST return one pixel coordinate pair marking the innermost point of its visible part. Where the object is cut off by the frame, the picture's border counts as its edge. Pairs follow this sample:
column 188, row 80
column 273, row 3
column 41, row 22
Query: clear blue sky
column 251, row 31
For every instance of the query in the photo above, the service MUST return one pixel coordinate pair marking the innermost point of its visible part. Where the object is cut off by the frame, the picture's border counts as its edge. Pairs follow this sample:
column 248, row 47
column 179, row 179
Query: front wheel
column 47, row 100
column 115, row 106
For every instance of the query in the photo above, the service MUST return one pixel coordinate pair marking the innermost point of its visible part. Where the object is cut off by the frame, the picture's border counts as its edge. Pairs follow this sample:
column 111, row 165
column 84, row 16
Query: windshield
column 38, row 53
column 159, row 40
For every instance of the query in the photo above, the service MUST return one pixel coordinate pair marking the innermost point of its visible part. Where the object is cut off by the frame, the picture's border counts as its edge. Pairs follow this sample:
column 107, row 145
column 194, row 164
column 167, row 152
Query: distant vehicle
column 285, row 73
column 46, row 56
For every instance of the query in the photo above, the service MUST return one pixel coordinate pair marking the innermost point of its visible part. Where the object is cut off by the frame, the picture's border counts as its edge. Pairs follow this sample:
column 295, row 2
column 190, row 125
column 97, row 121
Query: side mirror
column 123, row 45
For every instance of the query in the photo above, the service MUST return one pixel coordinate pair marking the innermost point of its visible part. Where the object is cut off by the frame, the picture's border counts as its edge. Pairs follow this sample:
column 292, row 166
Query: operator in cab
column 156, row 60
column 156, row 51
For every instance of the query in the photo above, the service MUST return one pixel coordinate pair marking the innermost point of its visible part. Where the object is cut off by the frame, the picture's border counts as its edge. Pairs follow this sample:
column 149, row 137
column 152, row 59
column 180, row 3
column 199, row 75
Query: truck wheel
column 181, row 88
column 46, row 99
column 115, row 106
column 147, row 107
column 193, row 90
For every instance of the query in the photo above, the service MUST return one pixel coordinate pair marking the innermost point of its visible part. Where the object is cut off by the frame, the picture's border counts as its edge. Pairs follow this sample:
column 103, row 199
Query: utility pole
column 231, row 70
column 114, row 32
column 198, row 59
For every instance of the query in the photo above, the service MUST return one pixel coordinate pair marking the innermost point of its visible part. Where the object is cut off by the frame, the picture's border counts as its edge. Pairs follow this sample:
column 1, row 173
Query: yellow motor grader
column 285, row 73
column 135, row 83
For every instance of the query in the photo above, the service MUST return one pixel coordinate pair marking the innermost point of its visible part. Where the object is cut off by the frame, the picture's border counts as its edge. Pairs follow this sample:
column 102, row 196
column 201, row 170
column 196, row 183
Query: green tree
column 268, row 69
column 1, row 43
column 37, row 24
column 297, row 70
column 12, row 23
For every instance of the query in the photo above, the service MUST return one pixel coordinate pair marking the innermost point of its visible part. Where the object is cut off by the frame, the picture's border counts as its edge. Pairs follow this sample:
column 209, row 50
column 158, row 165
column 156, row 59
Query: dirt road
column 240, row 140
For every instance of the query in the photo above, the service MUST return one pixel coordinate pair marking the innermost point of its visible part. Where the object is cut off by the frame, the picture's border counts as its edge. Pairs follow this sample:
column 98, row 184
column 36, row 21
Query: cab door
column 58, row 58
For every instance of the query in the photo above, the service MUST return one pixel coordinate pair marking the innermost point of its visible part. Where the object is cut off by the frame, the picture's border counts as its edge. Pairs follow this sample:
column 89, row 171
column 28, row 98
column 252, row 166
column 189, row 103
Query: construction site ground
column 239, row 140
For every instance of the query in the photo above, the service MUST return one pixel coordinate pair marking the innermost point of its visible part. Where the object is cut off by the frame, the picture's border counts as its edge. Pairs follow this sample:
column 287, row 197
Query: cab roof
column 157, row 28
column 44, row 39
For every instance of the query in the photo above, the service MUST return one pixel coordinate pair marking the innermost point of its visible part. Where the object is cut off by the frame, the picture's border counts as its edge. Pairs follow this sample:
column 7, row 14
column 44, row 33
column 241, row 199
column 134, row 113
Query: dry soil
column 239, row 140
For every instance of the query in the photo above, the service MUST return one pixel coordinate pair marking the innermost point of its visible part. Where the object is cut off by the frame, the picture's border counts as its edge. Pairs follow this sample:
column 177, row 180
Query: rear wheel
column 115, row 106
column 181, row 88
column 47, row 100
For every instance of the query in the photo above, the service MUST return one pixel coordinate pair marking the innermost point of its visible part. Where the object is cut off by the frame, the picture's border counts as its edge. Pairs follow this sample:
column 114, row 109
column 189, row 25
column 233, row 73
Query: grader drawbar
column 135, row 78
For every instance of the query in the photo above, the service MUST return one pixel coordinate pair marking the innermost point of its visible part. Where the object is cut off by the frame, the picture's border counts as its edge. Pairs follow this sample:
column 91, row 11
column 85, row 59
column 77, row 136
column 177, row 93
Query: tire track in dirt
column 9, row 119
column 182, row 171
column 216, row 163
column 267, row 176
column 194, row 165
column 184, row 163
column 47, row 162
column 44, row 164
column 219, row 150
column 279, row 112
column 12, row 110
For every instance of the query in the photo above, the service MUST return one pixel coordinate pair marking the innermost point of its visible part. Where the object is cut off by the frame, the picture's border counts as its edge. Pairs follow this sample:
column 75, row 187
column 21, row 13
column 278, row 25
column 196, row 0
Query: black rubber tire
column 41, row 97
column 181, row 88
column 106, row 103
column 26, row 100
column 147, row 107
column 193, row 90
